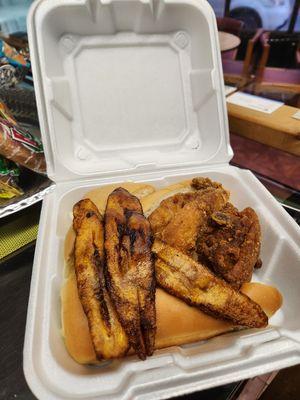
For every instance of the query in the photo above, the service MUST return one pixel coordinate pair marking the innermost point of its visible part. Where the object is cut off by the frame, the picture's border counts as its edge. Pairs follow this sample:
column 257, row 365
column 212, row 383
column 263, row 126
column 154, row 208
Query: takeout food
column 110, row 306
column 108, row 335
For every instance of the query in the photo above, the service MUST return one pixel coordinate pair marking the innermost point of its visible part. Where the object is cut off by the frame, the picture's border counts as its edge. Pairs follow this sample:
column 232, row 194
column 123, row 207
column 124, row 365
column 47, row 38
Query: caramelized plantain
column 190, row 281
column 130, row 269
column 108, row 337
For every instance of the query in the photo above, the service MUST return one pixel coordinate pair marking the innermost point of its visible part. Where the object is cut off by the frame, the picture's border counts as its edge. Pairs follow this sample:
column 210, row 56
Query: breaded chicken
column 130, row 269
column 178, row 219
column 195, row 284
column 108, row 337
column 229, row 244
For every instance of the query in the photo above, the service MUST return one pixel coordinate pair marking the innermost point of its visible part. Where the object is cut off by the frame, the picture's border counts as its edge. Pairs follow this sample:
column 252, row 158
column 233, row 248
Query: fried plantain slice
column 108, row 336
column 190, row 281
column 130, row 269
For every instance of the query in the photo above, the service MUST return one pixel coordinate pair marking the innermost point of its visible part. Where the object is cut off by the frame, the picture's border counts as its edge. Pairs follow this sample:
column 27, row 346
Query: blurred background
column 267, row 14
column 260, row 52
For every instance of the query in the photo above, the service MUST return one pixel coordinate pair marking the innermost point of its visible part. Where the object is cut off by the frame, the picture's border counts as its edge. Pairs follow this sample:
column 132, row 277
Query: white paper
column 296, row 115
column 229, row 90
column 254, row 102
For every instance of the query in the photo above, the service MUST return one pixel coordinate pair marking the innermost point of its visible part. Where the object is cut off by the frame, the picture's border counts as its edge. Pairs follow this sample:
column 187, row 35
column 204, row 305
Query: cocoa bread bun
column 153, row 200
column 99, row 196
column 177, row 323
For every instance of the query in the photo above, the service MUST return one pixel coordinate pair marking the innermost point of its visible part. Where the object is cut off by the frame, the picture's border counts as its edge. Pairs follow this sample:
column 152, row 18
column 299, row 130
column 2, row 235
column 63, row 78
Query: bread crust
column 177, row 323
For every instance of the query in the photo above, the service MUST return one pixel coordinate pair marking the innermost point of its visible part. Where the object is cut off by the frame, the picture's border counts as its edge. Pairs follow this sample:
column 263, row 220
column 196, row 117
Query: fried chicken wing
column 108, row 337
column 230, row 244
column 130, row 269
column 190, row 281
column 178, row 219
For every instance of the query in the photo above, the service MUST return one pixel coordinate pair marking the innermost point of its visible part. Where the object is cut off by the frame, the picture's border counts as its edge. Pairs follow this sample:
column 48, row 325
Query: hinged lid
column 127, row 85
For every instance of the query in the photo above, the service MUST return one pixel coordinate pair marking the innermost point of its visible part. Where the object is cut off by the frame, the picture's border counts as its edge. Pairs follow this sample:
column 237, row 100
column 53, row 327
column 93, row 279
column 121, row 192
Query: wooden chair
column 274, row 70
column 283, row 50
column 232, row 26
column 239, row 72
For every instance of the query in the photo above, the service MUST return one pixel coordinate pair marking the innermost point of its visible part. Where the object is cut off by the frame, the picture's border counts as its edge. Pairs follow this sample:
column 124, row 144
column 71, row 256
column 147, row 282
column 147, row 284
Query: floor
column 265, row 160
column 286, row 385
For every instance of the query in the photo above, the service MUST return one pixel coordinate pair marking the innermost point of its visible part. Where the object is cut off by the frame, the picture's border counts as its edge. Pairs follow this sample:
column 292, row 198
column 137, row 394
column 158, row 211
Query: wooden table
column 228, row 41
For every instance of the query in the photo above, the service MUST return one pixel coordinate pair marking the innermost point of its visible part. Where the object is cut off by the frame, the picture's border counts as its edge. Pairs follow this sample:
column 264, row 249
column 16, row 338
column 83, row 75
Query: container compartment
column 234, row 356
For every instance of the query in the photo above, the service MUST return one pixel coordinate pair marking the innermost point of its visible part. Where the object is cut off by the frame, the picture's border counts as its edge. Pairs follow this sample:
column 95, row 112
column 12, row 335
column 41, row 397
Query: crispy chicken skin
column 178, row 219
column 230, row 244
column 190, row 281
column 201, row 183
column 130, row 269
column 108, row 336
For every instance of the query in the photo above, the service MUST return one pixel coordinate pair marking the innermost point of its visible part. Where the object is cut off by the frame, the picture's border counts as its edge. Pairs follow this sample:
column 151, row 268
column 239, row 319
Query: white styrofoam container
column 133, row 90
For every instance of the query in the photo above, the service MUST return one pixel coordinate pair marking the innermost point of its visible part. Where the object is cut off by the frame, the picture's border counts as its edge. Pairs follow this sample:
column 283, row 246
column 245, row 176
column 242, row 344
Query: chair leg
column 263, row 62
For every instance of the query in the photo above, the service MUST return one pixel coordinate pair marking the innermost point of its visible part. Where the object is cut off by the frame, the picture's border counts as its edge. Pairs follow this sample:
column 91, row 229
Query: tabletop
column 228, row 41
column 289, row 98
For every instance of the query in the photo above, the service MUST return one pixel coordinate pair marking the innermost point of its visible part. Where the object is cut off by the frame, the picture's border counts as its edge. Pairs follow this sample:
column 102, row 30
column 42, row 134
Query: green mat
column 17, row 233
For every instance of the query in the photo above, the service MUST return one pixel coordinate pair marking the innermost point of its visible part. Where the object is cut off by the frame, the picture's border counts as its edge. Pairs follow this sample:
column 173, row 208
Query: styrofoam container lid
column 127, row 85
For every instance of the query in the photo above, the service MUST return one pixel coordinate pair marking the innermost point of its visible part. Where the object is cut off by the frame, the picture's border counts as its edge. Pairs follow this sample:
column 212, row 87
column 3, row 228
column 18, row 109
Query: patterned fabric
column 17, row 233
